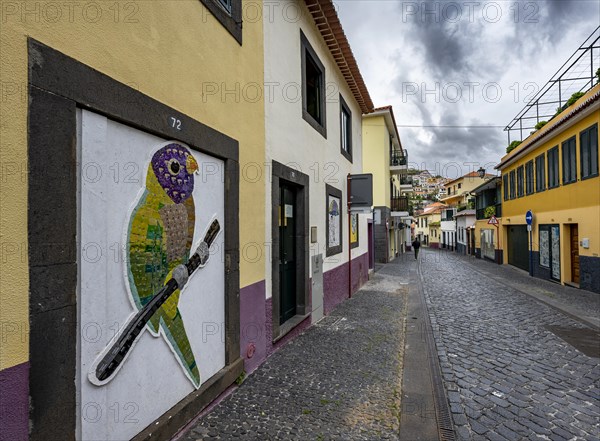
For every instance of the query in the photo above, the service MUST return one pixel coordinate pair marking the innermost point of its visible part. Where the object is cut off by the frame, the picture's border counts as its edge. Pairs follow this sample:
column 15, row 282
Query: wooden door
column 575, row 253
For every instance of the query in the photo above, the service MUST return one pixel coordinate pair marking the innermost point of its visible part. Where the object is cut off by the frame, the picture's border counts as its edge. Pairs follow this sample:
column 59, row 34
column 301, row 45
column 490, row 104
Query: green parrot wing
column 146, row 248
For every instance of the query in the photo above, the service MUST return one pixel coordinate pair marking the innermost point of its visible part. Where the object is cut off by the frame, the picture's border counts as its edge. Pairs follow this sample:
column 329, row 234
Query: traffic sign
column 493, row 220
column 529, row 217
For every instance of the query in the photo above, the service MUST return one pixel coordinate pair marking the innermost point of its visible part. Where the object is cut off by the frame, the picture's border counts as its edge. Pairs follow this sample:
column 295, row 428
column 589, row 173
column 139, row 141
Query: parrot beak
column 191, row 165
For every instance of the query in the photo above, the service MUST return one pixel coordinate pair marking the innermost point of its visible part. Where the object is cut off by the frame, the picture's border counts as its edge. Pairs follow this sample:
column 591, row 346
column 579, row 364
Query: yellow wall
column 578, row 202
column 165, row 49
column 376, row 157
column 467, row 185
column 483, row 224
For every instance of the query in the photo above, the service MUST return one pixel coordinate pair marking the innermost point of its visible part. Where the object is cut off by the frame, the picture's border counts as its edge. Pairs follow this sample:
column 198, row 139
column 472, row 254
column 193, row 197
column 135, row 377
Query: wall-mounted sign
column 361, row 192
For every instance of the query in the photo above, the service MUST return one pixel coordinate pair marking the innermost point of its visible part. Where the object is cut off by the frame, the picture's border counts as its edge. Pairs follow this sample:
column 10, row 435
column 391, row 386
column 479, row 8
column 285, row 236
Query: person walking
column 416, row 245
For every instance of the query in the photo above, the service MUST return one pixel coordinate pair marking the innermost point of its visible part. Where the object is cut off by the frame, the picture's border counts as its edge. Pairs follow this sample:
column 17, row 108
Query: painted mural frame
column 58, row 85
column 334, row 237
column 354, row 230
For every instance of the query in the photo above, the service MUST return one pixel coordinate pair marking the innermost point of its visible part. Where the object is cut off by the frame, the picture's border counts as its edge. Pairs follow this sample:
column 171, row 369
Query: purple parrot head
column 174, row 167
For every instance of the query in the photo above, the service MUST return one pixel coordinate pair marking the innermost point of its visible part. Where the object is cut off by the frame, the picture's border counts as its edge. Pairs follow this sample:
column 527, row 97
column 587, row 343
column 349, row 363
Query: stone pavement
column 340, row 379
column 507, row 373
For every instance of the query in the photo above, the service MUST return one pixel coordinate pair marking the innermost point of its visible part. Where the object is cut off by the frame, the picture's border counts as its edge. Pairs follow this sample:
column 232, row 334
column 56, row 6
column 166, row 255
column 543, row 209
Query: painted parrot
column 160, row 235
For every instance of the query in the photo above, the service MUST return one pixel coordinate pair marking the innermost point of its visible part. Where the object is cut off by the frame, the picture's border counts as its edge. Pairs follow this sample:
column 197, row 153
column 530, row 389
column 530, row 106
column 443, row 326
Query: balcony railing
column 489, row 211
column 398, row 157
column 406, row 180
column 399, row 203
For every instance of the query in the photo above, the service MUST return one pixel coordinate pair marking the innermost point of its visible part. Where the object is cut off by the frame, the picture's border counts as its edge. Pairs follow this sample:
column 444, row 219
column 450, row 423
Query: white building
column 465, row 223
column 448, row 229
column 313, row 141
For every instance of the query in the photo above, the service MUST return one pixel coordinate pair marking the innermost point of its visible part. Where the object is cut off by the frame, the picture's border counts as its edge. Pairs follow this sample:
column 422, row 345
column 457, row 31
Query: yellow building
column 484, row 236
column 386, row 160
column 458, row 191
column 427, row 225
column 554, row 173
column 147, row 72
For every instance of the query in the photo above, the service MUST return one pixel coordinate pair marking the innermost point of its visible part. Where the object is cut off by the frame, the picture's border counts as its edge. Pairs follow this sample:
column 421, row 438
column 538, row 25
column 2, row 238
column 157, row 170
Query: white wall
column 291, row 141
column 463, row 222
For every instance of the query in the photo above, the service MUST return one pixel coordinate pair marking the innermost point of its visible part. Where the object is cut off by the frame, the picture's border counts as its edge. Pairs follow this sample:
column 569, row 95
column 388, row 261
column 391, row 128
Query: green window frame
column 588, row 152
column 569, row 161
column 540, row 173
column 529, row 184
column 513, row 194
column 520, row 183
column 553, row 174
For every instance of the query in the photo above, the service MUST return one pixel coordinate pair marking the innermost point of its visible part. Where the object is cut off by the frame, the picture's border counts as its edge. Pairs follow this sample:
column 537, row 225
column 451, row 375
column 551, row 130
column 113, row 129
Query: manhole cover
column 584, row 340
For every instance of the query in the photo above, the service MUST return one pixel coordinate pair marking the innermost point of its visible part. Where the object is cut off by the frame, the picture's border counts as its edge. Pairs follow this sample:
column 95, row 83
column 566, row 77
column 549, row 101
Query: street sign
column 493, row 220
column 529, row 217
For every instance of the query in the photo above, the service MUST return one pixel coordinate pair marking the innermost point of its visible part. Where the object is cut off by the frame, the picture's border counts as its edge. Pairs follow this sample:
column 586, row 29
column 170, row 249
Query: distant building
column 488, row 204
column 465, row 221
column 384, row 157
column 457, row 191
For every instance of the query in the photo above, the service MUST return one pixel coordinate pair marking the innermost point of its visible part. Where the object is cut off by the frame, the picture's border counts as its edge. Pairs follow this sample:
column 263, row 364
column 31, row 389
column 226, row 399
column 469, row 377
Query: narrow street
column 506, row 371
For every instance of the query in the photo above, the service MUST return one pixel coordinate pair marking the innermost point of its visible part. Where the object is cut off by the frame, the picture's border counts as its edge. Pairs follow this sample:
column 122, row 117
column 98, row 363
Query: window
column 588, row 152
column 569, row 161
column 540, row 173
column 529, row 177
column 229, row 14
column 553, row 167
column 313, row 87
column 512, row 184
column 505, row 186
column 459, row 186
column 520, row 177
column 345, row 130
column 226, row 4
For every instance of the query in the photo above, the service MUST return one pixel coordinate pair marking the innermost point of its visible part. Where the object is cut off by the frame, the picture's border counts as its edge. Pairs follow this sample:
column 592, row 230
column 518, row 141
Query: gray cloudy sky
column 461, row 64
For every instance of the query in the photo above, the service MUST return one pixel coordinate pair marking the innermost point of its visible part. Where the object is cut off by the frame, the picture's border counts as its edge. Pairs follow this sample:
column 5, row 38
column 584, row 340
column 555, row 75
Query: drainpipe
column 349, row 204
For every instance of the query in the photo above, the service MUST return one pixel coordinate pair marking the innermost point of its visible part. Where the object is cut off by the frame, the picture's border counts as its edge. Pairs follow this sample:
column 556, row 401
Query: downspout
column 349, row 203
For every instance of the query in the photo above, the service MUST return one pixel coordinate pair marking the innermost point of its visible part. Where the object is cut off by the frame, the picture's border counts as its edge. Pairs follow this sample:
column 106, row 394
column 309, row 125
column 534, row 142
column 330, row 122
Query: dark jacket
column 416, row 244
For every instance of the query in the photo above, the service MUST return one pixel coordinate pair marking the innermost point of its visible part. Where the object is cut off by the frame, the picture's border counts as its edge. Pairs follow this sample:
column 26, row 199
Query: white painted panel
column 114, row 163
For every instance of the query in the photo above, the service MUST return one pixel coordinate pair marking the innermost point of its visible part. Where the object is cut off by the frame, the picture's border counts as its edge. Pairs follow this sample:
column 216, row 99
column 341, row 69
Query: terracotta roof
column 472, row 174
column 592, row 96
column 328, row 23
column 391, row 110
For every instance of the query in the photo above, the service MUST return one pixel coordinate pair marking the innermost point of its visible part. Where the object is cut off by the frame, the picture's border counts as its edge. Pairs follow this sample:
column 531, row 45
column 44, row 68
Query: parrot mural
column 159, row 237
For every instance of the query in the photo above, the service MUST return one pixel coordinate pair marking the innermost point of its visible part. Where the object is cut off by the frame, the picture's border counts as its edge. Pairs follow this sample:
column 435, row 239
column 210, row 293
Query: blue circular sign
column 529, row 217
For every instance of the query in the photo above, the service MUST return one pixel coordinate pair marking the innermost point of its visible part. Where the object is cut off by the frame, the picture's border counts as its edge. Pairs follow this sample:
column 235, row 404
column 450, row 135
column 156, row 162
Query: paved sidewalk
column 341, row 379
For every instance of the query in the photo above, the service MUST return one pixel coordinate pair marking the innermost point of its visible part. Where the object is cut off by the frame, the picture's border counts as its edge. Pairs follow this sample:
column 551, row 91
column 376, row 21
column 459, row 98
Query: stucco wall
column 291, row 141
column 175, row 52
column 376, row 159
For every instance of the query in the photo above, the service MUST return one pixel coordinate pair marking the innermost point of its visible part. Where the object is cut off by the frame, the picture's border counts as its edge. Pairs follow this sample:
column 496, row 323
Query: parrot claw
column 203, row 252
column 180, row 275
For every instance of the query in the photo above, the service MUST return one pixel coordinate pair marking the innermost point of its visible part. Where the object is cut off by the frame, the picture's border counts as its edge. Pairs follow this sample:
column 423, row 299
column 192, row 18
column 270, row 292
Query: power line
column 451, row 127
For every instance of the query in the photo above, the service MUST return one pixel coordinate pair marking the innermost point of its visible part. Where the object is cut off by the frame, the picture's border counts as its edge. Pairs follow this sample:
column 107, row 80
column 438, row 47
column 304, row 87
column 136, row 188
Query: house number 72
column 175, row 123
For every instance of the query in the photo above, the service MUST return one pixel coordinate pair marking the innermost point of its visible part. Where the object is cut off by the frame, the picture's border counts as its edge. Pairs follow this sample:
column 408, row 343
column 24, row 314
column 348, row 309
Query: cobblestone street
column 506, row 372
column 340, row 379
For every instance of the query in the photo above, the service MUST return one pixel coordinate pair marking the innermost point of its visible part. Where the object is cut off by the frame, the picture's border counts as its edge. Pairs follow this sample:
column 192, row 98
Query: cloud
column 402, row 49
